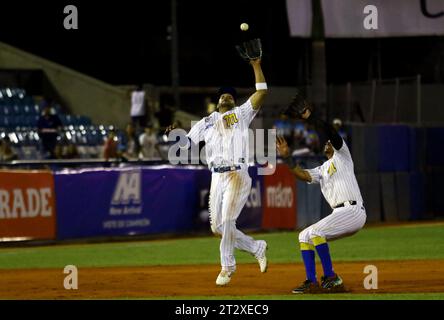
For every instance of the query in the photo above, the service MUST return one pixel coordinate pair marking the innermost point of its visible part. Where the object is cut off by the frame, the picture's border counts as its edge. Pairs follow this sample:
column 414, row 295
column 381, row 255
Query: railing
column 388, row 100
column 101, row 162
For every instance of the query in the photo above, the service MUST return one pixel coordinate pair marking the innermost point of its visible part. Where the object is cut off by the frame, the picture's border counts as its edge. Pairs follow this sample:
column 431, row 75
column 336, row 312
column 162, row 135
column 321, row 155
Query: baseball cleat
column 332, row 284
column 224, row 277
column 262, row 258
column 307, row 287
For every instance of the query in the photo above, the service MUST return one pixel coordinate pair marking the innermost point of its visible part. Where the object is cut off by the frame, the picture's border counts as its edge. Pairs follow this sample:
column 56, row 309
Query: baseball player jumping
column 225, row 133
column 339, row 187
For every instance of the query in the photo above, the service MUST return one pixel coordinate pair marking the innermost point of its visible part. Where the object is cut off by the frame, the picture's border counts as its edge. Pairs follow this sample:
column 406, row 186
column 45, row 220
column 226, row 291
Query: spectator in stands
column 178, row 124
column 139, row 103
column 337, row 124
column 298, row 134
column 132, row 146
column 299, row 144
column 70, row 151
column 150, row 108
column 149, row 146
column 48, row 127
column 110, row 149
column 43, row 103
column 165, row 117
column 58, row 151
column 312, row 140
column 6, row 152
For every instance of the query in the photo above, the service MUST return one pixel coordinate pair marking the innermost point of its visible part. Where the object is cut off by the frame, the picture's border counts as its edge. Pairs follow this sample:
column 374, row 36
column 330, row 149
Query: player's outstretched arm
column 301, row 174
column 327, row 128
column 284, row 151
column 258, row 97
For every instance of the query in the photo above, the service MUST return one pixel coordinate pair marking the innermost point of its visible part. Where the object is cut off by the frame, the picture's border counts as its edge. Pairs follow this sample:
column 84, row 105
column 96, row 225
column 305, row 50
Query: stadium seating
column 19, row 113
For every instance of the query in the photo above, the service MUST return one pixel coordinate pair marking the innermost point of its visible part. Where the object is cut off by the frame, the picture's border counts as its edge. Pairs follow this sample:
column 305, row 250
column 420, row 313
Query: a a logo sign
column 126, row 202
column 71, row 21
column 127, row 197
column 371, row 281
column 70, row 282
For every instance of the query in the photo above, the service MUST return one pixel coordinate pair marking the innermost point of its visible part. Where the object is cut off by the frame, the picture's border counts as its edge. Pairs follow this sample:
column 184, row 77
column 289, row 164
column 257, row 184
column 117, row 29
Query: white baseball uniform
column 137, row 103
column 226, row 145
column 339, row 186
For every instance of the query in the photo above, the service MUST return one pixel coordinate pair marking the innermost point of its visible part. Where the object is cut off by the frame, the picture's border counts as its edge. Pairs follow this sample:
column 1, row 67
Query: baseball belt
column 226, row 169
column 352, row 203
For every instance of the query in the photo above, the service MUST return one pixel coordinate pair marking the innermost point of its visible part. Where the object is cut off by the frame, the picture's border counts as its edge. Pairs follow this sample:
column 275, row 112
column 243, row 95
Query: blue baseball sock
column 308, row 255
column 323, row 251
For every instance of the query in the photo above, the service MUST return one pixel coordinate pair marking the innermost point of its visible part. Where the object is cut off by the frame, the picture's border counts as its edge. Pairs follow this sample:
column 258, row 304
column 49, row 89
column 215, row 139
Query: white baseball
column 244, row 26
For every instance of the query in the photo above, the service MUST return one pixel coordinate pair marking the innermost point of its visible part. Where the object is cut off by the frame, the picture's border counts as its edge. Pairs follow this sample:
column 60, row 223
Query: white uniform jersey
column 225, row 136
column 337, row 178
column 148, row 145
column 137, row 103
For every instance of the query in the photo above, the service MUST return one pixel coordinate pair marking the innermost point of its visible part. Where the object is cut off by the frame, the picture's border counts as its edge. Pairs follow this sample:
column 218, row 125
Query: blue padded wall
column 417, row 195
column 393, row 148
column 388, row 194
column 434, row 147
column 369, row 185
column 364, row 148
column 402, row 191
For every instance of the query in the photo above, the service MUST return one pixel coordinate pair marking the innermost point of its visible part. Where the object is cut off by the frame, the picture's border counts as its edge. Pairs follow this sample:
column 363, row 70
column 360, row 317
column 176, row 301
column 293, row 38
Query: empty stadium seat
column 6, row 109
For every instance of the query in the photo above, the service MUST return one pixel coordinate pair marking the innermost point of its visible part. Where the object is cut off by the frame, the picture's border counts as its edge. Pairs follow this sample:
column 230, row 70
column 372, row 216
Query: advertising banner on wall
column 27, row 205
column 279, row 199
column 394, row 18
column 127, row 201
column 299, row 18
column 369, row 19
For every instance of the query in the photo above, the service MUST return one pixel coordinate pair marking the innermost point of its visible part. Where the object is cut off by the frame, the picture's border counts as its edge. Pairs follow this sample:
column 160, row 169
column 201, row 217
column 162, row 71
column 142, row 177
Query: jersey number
column 331, row 169
column 230, row 119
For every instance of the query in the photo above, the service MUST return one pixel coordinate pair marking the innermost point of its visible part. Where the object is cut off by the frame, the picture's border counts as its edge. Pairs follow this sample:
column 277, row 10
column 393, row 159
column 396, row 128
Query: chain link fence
column 399, row 100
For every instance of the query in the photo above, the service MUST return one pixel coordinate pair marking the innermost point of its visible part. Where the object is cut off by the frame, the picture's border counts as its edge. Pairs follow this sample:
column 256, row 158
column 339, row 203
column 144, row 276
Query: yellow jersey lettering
column 230, row 119
column 331, row 169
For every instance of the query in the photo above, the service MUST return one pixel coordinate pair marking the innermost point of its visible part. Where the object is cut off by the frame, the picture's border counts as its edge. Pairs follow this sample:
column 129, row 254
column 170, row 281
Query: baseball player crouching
column 339, row 187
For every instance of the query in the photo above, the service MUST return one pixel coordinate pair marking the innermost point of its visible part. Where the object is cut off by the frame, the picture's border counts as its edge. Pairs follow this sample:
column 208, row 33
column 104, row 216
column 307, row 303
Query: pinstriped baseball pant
column 342, row 222
column 228, row 195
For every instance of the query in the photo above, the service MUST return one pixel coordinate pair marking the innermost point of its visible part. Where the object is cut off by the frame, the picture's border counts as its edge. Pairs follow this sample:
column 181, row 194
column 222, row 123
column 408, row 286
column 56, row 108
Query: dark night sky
column 122, row 42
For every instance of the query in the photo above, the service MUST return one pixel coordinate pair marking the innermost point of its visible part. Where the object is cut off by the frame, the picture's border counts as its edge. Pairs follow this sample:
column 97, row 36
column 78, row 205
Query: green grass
column 389, row 243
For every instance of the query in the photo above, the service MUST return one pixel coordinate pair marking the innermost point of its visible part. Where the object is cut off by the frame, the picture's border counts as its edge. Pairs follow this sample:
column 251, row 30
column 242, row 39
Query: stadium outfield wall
column 398, row 168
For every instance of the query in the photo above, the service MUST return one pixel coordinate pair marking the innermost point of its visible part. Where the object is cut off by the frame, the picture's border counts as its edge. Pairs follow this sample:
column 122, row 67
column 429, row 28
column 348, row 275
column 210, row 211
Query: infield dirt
column 408, row 276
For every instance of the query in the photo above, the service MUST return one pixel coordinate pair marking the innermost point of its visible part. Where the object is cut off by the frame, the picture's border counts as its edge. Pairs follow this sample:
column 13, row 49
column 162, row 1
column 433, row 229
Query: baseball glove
column 297, row 107
column 250, row 50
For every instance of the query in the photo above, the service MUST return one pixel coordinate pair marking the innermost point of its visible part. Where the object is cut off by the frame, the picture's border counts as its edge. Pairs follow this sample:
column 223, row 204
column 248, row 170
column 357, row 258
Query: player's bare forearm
column 301, row 174
column 258, row 97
